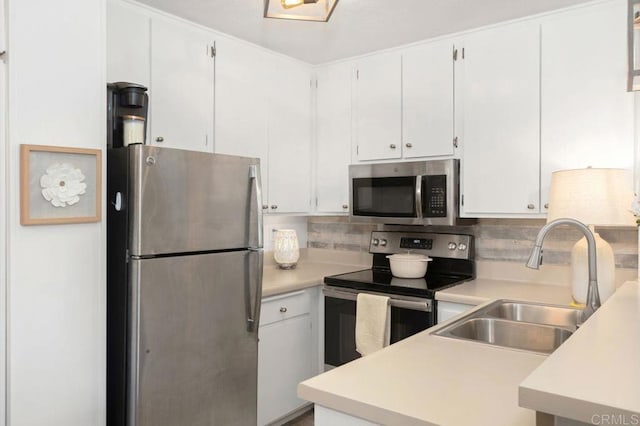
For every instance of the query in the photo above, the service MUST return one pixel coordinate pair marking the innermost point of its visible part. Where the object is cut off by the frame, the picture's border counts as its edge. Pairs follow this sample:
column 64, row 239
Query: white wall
column 56, row 273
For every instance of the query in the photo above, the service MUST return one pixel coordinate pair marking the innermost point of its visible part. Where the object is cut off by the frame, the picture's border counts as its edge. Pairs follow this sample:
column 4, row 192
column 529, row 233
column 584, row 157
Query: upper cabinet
column 241, row 103
column 289, row 122
column 182, row 86
column 501, row 114
column 263, row 110
column 128, row 42
column 377, row 107
column 586, row 114
column 333, row 133
column 427, row 100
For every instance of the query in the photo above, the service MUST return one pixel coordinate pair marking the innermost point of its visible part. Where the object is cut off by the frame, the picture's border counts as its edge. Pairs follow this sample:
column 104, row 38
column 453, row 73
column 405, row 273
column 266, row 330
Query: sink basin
column 531, row 327
column 512, row 334
column 538, row 314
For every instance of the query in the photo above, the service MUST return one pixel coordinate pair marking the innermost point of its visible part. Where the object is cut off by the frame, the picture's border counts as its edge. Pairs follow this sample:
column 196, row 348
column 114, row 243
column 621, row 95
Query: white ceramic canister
column 286, row 250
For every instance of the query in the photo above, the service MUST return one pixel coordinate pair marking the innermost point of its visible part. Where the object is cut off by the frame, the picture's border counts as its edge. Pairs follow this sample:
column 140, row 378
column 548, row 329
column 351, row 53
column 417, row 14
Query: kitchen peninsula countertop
column 429, row 380
column 596, row 373
column 433, row 380
column 313, row 266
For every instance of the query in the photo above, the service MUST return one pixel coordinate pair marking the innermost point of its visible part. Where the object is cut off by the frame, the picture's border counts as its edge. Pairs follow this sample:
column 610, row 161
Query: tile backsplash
column 496, row 239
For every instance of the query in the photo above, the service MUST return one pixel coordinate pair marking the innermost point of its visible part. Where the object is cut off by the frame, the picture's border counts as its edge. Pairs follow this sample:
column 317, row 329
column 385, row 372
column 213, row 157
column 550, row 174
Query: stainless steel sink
column 512, row 334
column 517, row 325
column 538, row 314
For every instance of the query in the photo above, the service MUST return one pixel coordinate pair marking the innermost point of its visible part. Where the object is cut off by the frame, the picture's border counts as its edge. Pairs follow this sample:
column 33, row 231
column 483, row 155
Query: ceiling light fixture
column 303, row 10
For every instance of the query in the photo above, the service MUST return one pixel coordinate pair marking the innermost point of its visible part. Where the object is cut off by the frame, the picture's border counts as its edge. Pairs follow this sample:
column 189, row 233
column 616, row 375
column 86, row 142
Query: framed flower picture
column 60, row 185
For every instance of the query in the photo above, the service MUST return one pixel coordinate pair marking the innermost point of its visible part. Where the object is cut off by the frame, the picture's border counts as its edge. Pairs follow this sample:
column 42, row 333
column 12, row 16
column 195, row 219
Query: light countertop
column 483, row 290
column 597, row 371
column 434, row 380
column 429, row 380
column 313, row 266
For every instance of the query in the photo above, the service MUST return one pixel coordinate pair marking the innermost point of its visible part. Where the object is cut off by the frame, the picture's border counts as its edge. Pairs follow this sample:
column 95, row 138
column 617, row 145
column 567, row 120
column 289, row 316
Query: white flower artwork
column 63, row 184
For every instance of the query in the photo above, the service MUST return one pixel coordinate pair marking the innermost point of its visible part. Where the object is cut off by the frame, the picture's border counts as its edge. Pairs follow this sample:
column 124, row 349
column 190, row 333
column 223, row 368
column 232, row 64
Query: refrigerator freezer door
column 185, row 201
column 193, row 360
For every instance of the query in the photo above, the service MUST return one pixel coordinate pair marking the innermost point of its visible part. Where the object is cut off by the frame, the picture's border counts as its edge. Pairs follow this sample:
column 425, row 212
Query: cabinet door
column 587, row 114
column 285, row 358
column 501, row 142
column 128, row 44
column 333, row 150
column 427, row 100
column 241, row 103
column 378, row 107
column 182, row 92
column 289, row 132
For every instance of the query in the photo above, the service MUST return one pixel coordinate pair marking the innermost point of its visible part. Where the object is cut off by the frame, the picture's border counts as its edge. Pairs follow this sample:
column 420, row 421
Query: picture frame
column 60, row 185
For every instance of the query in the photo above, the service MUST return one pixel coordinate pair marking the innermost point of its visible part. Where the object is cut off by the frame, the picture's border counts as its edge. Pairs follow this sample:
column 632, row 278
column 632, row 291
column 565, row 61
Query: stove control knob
column 452, row 246
column 375, row 242
column 383, row 243
column 462, row 246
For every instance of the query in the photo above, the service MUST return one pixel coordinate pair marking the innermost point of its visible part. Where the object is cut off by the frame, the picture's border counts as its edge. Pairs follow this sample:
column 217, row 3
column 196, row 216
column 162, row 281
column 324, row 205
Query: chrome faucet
column 593, row 297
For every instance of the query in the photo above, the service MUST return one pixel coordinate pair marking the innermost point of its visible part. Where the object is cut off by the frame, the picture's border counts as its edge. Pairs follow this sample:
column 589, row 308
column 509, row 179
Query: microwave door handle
column 418, row 197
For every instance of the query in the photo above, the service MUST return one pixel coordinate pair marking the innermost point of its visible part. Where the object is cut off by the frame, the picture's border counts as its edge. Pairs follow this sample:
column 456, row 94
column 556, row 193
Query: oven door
column 409, row 315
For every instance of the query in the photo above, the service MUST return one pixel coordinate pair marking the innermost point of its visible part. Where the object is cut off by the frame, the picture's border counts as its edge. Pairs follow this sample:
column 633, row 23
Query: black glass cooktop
column 382, row 281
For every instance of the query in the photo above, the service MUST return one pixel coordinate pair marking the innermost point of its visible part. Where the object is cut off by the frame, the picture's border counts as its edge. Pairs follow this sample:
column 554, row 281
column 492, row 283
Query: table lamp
column 595, row 197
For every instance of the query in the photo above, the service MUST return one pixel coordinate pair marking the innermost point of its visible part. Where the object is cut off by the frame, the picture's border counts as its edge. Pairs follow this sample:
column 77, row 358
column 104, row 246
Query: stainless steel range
column 413, row 304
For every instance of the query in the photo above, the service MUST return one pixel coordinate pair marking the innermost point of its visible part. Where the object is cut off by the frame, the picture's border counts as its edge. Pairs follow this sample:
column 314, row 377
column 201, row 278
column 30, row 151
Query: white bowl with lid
column 409, row 265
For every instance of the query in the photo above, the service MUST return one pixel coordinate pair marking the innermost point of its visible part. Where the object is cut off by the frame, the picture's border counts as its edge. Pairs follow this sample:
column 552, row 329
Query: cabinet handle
column 531, row 206
column 274, row 207
column 265, row 206
column 546, row 206
column 392, row 146
column 408, row 145
column 345, row 206
column 283, row 309
column 159, row 139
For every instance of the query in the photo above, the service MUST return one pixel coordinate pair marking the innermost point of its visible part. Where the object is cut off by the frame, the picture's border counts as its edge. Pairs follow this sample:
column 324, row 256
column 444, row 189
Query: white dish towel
column 373, row 325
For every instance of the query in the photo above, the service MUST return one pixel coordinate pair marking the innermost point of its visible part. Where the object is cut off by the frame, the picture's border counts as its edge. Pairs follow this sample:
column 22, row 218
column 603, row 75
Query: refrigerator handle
column 253, row 313
column 254, row 175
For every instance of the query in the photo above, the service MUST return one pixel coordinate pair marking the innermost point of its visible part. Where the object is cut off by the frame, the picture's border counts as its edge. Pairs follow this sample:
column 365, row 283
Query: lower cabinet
column 448, row 310
column 287, row 352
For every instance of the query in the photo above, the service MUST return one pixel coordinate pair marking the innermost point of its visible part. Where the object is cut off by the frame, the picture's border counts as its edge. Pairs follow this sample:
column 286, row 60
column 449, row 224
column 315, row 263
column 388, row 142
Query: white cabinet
column 587, row 114
column 333, row 144
column 501, row 110
column 378, row 107
column 427, row 100
column 128, row 44
column 263, row 110
column 448, row 310
column 287, row 352
column 289, row 136
column 182, row 86
column 241, row 103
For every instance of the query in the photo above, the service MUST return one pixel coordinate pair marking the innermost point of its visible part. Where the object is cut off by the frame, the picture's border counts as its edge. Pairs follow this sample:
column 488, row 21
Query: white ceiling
column 356, row 27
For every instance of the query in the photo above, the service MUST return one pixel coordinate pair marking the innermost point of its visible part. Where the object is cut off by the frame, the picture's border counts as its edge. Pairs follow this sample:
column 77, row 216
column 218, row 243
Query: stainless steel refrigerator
column 184, row 285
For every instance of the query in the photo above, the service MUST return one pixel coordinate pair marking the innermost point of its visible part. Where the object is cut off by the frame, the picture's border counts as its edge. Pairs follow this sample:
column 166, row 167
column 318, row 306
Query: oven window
column 384, row 197
column 340, row 328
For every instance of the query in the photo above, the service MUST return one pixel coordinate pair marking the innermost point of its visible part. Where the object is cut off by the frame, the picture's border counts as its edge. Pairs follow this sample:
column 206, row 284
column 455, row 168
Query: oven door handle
column 423, row 306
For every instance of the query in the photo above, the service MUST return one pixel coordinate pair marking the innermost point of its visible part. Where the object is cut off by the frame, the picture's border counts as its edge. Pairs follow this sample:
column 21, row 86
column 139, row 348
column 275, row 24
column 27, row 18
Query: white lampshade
column 592, row 196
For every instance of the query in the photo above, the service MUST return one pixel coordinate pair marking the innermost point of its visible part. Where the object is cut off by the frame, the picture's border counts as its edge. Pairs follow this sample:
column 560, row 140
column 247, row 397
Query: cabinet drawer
column 284, row 306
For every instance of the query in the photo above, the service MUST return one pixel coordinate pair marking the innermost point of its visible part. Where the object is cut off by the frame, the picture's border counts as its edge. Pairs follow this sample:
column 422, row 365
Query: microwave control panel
column 434, row 196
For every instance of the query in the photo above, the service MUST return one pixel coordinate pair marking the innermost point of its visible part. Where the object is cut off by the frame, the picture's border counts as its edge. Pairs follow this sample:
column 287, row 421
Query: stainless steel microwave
column 411, row 193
